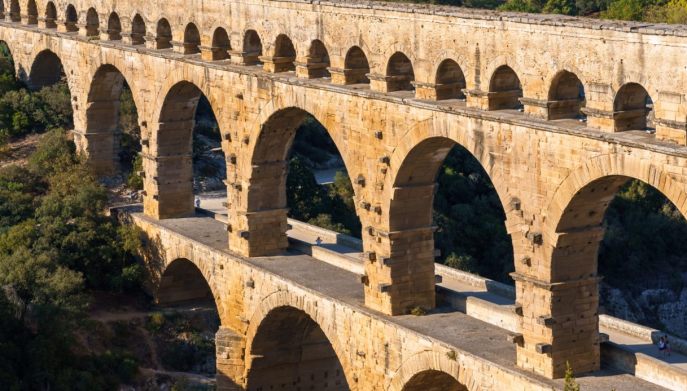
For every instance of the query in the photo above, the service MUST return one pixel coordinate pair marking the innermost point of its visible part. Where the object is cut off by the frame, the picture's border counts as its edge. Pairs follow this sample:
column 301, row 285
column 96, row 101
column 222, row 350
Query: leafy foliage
column 56, row 245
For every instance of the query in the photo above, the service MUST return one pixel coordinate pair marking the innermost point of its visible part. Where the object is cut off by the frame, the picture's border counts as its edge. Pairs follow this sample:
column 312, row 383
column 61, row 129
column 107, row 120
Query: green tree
column 565, row 7
column 570, row 383
column 532, row 6
column 625, row 10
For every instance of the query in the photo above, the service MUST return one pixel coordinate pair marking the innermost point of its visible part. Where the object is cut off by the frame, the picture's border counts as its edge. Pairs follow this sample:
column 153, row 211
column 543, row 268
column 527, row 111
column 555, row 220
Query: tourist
column 318, row 241
column 667, row 345
column 662, row 346
column 197, row 202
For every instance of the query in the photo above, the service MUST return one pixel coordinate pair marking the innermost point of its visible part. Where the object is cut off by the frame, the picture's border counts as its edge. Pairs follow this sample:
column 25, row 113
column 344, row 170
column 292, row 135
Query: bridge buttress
column 399, row 269
column 230, row 350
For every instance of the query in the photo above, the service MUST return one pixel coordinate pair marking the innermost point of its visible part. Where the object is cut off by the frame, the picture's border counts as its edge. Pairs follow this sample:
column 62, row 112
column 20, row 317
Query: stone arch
column 163, row 34
column 102, row 120
column 356, row 66
column 573, row 233
column 449, row 80
column 71, row 18
column 138, row 30
column 284, row 54
column 9, row 60
column 399, row 73
column 505, row 89
column 114, row 27
column 252, row 47
column 173, row 141
column 15, row 11
column 50, row 15
column 92, row 23
column 182, row 281
column 221, row 44
column 191, row 39
column 443, row 136
column 566, row 96
column 432, row 365
column 270, row 141
column 433, row 380
column 46, row 70
column 318, row 61
column 32, row 12
column 602, row 173
column 287, row 303
column 631, row 107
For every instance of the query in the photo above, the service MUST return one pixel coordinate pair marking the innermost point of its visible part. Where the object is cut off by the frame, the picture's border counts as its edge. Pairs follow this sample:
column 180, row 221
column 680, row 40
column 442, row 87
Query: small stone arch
column 505, row 89
column 631, row 108
column 15, row 11
column 71, row 18
column 221, row 44
column 285, row 300
column 449, row 80
column 114, row 27
column 182, row 281
column 318, row 61
column 356, row 66
column 50, row 15
column 138, row 30
column 284, row 55
column 46, row 70
column 92, row 23
column 433, row 365
column 32, row 12
column 252, row 47
column 566, row 96
column 400, row 75
column 163, row 34
column 191, row 39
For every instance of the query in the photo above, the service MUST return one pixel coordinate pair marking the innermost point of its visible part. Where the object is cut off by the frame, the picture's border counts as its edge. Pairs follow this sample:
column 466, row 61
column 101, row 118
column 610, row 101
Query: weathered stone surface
column 562, row 173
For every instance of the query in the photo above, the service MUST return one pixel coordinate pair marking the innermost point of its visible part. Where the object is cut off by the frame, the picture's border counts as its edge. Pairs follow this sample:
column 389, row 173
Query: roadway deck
column 444, row 324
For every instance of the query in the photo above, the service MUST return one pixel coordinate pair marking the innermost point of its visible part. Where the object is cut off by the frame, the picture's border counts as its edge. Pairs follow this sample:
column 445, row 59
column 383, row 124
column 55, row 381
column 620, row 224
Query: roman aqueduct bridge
column 554, row 108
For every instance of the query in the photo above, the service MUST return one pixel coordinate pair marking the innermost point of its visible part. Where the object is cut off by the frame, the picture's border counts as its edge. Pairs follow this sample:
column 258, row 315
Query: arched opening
column 432, row 380
column 399, row 72
column 15, row 11
column 284, row 55
column 318, row 60
column 621, row 242
column 112, row 130
column 46, row 70
column 566, row 96
column 252, row 48
column 190, row 157
column 92, row 23
column 70, row 19
column 6, row 61
column 32, row 12
column 191, row 39
column 290, row 351
column 186, row 321
column 138, row 30
column 163, row 37
column 114, row 27
column 631, row 108
column 505, row 89
column 182, row 282
column 450, row 81
column 356, row 66
column 221, row 44
column 296, row 159
column 441, row 184
column 50, row 15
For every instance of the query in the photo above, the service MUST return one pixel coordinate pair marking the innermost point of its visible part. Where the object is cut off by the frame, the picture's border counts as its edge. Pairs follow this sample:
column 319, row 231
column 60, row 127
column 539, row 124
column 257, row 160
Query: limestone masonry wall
column 395, row 105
